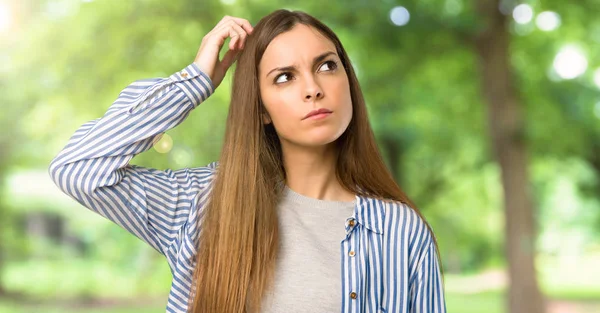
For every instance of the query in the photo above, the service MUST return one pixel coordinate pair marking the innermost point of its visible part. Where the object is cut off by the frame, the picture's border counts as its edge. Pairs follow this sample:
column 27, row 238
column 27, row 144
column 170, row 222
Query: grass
column 489, row 302
column 567, row 282
column 9, row 306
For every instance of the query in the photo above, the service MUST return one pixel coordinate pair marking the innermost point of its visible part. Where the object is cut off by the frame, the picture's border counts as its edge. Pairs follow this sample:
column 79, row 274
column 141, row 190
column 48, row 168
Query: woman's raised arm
column 93, row 167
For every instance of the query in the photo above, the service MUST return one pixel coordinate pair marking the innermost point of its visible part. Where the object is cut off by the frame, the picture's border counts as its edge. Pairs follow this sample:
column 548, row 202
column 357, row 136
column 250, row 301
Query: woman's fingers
column 232, row 30
column 237, row 29
column 244, row 24
column 241, row 25
column 240, row 39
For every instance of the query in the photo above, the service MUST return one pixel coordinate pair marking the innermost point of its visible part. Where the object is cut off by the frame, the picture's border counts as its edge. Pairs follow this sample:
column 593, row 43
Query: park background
column 487, row 112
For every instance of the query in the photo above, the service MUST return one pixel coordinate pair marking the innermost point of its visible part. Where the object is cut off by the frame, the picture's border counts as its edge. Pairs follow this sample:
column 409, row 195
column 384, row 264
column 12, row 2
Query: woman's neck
column 311, row 171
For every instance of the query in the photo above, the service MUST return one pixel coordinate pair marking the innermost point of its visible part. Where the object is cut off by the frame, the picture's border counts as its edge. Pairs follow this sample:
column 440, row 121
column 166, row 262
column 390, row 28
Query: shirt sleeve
column 93, row 168
column 426, row 290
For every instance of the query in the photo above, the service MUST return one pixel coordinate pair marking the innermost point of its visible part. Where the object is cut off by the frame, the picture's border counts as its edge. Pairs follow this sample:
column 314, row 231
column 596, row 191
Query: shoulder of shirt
column 412, row 225
column 201, row 177
column 209, row 169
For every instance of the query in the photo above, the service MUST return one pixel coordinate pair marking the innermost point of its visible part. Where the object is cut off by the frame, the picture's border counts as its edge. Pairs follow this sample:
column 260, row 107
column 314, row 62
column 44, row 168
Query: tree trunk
column 3, row 215
column 506, row 129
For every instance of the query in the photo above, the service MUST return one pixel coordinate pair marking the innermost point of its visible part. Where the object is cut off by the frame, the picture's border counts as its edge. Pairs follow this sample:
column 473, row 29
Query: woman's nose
column 313, row 91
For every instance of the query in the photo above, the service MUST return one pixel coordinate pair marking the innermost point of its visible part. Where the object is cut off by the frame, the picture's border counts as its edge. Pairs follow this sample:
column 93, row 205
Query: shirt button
column 184, row 74
column 353, row 295
column 351, row 223
column 351, row 253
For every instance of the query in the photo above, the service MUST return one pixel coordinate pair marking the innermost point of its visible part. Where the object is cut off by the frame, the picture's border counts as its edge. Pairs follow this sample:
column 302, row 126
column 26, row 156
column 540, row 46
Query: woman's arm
column 94, row 168
column 427, row 287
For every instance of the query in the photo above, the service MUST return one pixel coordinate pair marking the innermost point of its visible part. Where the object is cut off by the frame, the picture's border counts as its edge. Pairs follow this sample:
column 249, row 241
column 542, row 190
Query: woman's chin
column 316, row 140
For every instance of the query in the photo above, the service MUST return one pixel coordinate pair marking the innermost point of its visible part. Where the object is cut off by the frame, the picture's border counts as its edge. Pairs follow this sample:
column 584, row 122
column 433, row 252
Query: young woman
column 300, row 213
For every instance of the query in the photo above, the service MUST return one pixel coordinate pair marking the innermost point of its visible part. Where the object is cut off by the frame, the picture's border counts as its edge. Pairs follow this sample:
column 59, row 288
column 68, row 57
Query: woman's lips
column 319, row 116
column 316, row 112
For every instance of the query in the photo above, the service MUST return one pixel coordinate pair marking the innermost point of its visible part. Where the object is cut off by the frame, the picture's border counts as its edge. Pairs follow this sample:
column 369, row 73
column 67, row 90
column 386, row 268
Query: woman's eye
column 278, row 78
column 330, row 64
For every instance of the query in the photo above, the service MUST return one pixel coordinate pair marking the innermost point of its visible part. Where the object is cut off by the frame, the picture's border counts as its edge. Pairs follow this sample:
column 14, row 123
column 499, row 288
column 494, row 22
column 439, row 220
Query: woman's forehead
column 298, row 46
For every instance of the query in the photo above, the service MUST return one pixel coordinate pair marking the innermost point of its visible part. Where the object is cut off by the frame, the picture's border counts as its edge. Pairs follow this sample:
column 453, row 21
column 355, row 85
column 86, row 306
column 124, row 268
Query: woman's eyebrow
column 316, row 60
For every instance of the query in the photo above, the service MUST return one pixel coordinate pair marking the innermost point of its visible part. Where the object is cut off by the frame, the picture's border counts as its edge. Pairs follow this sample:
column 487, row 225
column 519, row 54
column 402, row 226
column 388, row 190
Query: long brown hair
column 239, row 239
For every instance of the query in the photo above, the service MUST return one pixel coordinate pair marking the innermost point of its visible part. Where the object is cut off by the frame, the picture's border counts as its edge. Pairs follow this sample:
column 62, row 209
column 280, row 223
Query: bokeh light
column 570, row 63
column 399, row 16
column 5, row 17
column 182, row 156
column 597, row 77
column 548, row 21
column 453, row 7
column 164, row 144
column 523, row 13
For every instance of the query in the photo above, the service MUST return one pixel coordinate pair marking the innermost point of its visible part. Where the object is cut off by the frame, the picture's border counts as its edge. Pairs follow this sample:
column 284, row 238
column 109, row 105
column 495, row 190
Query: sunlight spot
column 164, row 144
column 597, row 77
column 548, row 21
column 182, row 156
column 523, row 13
column 5, row 17
column 453, row 7
column 399, row 16
column 570, row 63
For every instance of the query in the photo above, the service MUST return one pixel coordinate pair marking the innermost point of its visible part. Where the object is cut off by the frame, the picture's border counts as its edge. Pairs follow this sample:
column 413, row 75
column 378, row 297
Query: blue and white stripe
column 392, row 267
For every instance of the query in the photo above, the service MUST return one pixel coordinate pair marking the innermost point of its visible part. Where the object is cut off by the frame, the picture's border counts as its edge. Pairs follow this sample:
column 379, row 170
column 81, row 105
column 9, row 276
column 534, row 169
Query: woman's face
column 299, row 72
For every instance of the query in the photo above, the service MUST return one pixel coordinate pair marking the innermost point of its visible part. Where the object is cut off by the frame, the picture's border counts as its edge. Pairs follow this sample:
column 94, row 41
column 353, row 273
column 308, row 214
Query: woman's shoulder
column 204, row 173
column 404, row 221
column 210, row 167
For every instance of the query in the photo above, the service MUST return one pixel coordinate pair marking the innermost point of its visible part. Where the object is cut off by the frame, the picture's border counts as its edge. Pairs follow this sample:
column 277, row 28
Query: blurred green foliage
column 63, row 62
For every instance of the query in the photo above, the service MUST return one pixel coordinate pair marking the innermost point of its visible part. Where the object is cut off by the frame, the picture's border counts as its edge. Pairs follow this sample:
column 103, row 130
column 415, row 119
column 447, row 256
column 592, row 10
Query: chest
column 336, row 266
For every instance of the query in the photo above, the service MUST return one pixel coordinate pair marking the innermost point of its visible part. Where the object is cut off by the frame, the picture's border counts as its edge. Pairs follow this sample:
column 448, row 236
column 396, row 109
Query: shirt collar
column 370, row 213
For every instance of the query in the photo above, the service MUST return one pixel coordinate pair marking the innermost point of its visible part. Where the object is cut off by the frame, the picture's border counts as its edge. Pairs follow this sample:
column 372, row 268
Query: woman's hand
column 207, row 58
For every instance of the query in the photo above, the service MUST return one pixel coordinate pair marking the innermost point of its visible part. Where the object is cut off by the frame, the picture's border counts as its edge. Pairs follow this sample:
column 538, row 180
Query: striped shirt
column 388, row 260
